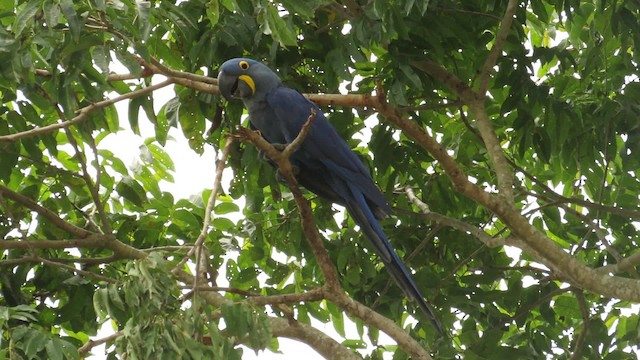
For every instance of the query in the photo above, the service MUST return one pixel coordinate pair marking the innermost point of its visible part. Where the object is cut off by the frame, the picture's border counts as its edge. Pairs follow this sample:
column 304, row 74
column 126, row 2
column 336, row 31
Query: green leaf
column 26, row 16
column 225, row 208
column 143, row 10
column 69, row 12
column 54, row 349
column 213, row 12
column 34, row 342
column 279, row 27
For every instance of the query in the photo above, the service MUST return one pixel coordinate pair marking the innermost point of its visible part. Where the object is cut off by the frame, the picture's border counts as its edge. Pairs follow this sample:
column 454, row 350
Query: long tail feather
column 363, row 215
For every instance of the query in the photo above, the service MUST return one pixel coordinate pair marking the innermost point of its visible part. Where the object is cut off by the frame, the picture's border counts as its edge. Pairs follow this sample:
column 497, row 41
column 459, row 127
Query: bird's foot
column 264, row 157
column 280, row 178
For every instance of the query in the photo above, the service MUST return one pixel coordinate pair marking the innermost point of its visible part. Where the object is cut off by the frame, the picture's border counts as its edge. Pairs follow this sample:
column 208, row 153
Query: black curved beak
column 228, row 84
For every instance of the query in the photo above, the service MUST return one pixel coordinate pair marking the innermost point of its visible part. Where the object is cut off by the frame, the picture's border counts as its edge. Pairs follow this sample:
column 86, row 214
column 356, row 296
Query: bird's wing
column 323, row 144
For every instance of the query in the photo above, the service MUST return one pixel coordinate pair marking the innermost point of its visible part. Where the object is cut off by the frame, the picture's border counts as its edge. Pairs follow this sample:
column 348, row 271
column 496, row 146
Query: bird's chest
column 273, row 128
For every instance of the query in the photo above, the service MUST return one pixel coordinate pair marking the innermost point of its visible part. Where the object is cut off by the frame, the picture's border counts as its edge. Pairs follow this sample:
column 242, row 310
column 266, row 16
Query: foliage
column 88, row 240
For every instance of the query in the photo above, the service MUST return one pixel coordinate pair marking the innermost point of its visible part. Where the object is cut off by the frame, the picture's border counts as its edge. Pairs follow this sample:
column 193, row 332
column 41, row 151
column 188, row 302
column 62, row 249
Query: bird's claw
column 280, row 178
column 264, row 157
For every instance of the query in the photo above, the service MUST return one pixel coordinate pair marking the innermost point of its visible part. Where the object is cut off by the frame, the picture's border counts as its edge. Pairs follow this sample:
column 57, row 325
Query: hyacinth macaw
column 324, row 164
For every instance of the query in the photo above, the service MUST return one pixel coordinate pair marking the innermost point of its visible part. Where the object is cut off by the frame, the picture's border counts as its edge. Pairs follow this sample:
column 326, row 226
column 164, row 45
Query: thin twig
column 93, row 343
column 83, row 113
column 498, row 45
column 586, row 323
column 77, row 271
column 46, row 213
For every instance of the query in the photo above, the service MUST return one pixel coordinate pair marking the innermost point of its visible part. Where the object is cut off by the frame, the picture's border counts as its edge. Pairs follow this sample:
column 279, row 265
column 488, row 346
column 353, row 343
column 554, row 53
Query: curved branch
column 319, row 341
column 83, row 113
column 289, row 328
column 372, row 318
column 46, row 213
column 93, row 343
column 332, row 291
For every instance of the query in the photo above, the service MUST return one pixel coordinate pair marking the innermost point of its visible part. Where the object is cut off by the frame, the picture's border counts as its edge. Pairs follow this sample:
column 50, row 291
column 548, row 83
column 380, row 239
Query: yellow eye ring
column 244, row 65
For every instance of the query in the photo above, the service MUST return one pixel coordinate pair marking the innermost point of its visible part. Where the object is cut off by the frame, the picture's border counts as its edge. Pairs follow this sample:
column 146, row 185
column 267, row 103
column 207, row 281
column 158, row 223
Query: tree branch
column 46, row 213
column 84, row 349
column 220, row 166
column 92, row 241
column 333, row 290
column 526, row 236
column 586, row 323
column 372, row 318
column 76, row 271
column 316, row 294
column 308, row 224
column 83, row 113
column 289, row 328
column 496, row 49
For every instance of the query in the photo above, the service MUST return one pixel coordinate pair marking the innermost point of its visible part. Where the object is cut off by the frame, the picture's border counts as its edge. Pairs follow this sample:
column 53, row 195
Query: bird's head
column 245, row 79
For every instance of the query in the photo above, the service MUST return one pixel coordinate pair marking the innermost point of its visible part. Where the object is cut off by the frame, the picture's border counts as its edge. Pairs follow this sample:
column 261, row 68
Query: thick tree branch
column 630, row 213
column 626, row 264
column 70, row 268
column 372, row 318
column 537, row 244
column 311, row 295
column 494, row 149
column 319, row 341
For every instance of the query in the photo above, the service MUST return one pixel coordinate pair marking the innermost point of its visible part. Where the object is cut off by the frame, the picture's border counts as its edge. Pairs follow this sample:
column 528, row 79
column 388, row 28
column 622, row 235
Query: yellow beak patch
column 249, row 81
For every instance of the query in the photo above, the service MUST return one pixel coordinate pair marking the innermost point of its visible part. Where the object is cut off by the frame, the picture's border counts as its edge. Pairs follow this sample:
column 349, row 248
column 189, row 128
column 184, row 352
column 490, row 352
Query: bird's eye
column 244, row 65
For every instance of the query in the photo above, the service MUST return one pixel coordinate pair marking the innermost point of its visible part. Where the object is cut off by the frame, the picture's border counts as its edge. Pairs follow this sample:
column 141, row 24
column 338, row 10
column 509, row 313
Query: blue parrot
column 324, row 164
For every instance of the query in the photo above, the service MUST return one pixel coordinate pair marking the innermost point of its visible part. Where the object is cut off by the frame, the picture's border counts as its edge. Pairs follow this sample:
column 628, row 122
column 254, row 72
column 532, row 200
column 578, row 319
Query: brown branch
column 193, row 81
column 83, row 113
column 462, row 11
column 333, row 291
column 159, row 67
column 316, row 294
column 316, row 339
column 92, row 241
column 110, row 77
column 526, row 309
column 525, row 235
column 220, row 166
column 494, row 149
column 632, row 214
column 121, row 250
column 625, row 264
column 219, row 288
column 498, row 45
column 77, row 271
column 46, row 213
column 372, row 318
column 84, row 349
column 308, row 223
column 586, row 323
column 288, row 328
